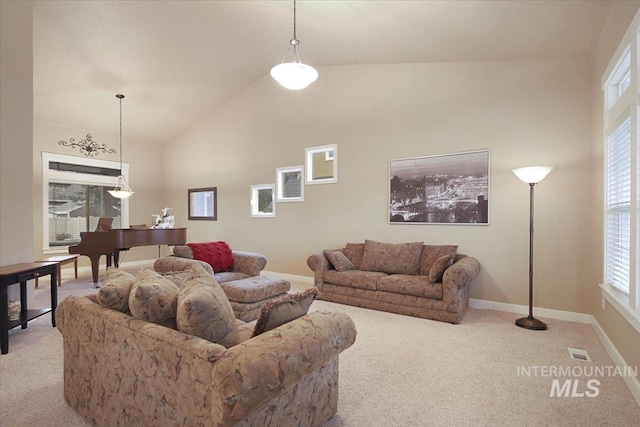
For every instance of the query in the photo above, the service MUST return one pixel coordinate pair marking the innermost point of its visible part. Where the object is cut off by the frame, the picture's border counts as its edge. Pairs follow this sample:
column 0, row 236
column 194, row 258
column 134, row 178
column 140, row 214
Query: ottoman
column 248, row 295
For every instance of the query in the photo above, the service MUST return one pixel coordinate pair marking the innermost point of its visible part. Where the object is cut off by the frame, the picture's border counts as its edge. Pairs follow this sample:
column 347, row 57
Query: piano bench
column 61, row 260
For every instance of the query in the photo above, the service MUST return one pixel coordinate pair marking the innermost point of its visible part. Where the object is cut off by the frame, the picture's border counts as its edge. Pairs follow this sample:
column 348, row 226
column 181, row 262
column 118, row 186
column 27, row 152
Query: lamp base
column 531, row 322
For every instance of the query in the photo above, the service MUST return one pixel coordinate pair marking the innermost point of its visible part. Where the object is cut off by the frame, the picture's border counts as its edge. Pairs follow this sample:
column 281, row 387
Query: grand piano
column 94, row 244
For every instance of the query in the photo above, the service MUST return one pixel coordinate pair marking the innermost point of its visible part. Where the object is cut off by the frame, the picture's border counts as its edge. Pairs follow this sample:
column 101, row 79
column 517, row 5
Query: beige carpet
column 402, row 371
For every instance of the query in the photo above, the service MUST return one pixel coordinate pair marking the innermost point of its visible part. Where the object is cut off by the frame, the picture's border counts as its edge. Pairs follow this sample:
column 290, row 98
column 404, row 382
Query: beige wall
column 145, row 177
column 16, row 86
column 624, row 337
column 525, row 112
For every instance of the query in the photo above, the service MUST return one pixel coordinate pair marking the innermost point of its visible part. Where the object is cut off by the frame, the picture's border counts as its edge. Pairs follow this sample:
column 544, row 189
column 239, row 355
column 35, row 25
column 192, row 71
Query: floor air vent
column 579, row 354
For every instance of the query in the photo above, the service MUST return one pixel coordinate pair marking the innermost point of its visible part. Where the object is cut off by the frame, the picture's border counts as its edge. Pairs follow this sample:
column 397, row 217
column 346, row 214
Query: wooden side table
column 61, row 260
column 21, row 273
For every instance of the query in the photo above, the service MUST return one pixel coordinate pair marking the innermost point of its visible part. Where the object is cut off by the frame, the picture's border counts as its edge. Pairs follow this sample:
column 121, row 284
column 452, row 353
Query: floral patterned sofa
column 414, row 279
column 123, row 371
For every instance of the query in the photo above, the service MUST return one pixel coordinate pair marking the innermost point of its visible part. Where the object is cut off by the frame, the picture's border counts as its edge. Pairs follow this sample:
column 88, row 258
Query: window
column 289, row 184
column 321, row 164
column 75, row 197
column 621, row 83
column 263, row 201
column 618, row 207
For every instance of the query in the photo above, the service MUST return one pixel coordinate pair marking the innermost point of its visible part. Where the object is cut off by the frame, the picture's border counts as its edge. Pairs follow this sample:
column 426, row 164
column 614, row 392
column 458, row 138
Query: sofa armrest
column 250, row 374
column 249, row 263
column 461, row 273
column 169, row 264
column 319, row 264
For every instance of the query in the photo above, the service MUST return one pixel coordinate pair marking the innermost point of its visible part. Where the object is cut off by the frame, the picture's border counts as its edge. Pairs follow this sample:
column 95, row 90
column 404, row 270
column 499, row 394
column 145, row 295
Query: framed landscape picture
column 442, row 189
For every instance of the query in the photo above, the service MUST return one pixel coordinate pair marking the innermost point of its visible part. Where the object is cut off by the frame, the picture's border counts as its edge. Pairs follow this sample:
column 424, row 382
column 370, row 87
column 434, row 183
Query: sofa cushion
column 407, row 284
column 255, row 288
column 115, row 289
column 229, row 276
column 217, row 254
column 392, row 258
column 339, row 260
column 355, row 251
column 284, row 309
column 431, row 253
column 154, row 299
column 204, row 311
column 353, row 278
column 438, row 268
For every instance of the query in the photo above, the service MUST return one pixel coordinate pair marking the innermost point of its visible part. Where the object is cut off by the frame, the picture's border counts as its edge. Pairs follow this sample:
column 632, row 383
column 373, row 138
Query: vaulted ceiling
column 177, row 61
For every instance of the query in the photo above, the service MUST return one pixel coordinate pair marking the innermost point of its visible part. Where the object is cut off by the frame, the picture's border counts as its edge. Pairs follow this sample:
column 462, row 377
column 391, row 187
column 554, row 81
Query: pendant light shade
column 292, row 73
column 122, row 189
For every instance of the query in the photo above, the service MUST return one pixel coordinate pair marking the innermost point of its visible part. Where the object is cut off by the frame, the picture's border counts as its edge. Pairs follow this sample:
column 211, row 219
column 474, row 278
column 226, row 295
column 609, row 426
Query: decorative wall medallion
column 88, row 146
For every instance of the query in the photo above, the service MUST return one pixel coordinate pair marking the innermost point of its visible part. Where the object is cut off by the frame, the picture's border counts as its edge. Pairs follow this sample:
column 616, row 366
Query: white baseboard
column 632, row 382
column 524, row 309
column 290, row 277
column 87, row 268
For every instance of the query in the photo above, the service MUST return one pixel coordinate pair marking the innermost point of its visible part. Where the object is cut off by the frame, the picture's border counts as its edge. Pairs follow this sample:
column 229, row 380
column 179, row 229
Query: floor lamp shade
column 531, row 175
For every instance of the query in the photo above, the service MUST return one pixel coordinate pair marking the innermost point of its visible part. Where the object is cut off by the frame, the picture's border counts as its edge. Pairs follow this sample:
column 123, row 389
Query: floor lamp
column 531, row 175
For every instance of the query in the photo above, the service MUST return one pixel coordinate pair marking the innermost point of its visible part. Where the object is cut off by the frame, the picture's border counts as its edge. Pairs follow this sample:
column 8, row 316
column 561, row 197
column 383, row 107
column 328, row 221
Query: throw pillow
column 115, row 289
column 431, row 253
column 183, row 251
column 154, row 299
column 438, row 268
column 339, row 260
column 284, row 309
column 391, row 258
column 355, row 251
column 217, row 254
column 205, row 311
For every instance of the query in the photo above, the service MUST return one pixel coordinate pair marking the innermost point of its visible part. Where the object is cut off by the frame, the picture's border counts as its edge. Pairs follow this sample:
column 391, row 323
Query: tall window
column 621, row 84
column 75, row 197
column 618, row 207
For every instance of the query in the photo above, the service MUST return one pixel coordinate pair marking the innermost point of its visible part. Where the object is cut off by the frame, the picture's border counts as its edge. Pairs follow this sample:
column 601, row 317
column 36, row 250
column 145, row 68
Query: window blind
column 618, row 206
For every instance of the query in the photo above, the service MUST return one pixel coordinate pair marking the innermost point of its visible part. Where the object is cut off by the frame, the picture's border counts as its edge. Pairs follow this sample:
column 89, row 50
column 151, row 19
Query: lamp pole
column 531, row 175
column 531, row 322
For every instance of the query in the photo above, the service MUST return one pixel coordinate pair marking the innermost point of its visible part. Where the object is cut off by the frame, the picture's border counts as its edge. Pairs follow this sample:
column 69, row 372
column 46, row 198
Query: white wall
column 16, row 85
column 525, row 112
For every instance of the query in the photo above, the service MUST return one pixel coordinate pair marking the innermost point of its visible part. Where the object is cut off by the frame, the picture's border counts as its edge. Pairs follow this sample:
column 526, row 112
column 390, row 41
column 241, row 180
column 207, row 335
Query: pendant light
column 122, row 189
column 294, row 75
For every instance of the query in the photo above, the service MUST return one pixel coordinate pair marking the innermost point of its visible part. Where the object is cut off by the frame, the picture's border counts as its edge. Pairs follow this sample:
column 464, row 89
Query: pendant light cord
column 294, row 20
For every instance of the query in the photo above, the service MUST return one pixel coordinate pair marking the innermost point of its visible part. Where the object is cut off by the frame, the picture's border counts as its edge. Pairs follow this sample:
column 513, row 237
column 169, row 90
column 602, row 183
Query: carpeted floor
column 402, row 371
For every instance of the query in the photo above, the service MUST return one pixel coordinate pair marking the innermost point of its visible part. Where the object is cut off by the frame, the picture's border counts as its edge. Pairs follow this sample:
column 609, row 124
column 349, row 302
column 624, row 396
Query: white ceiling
column 176, row 61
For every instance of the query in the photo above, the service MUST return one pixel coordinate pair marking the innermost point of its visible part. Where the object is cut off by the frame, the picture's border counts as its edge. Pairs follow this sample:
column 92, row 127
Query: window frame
column 255, row 204
column 49, row 175
column 620, row 105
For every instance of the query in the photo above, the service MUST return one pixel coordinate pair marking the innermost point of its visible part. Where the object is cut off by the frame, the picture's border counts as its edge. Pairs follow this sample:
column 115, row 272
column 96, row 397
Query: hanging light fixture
column 122, row 189
column 294, row 75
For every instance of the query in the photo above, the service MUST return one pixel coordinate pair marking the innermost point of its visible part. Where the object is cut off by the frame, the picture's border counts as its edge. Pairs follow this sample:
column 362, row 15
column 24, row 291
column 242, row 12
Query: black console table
column 21, row 273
